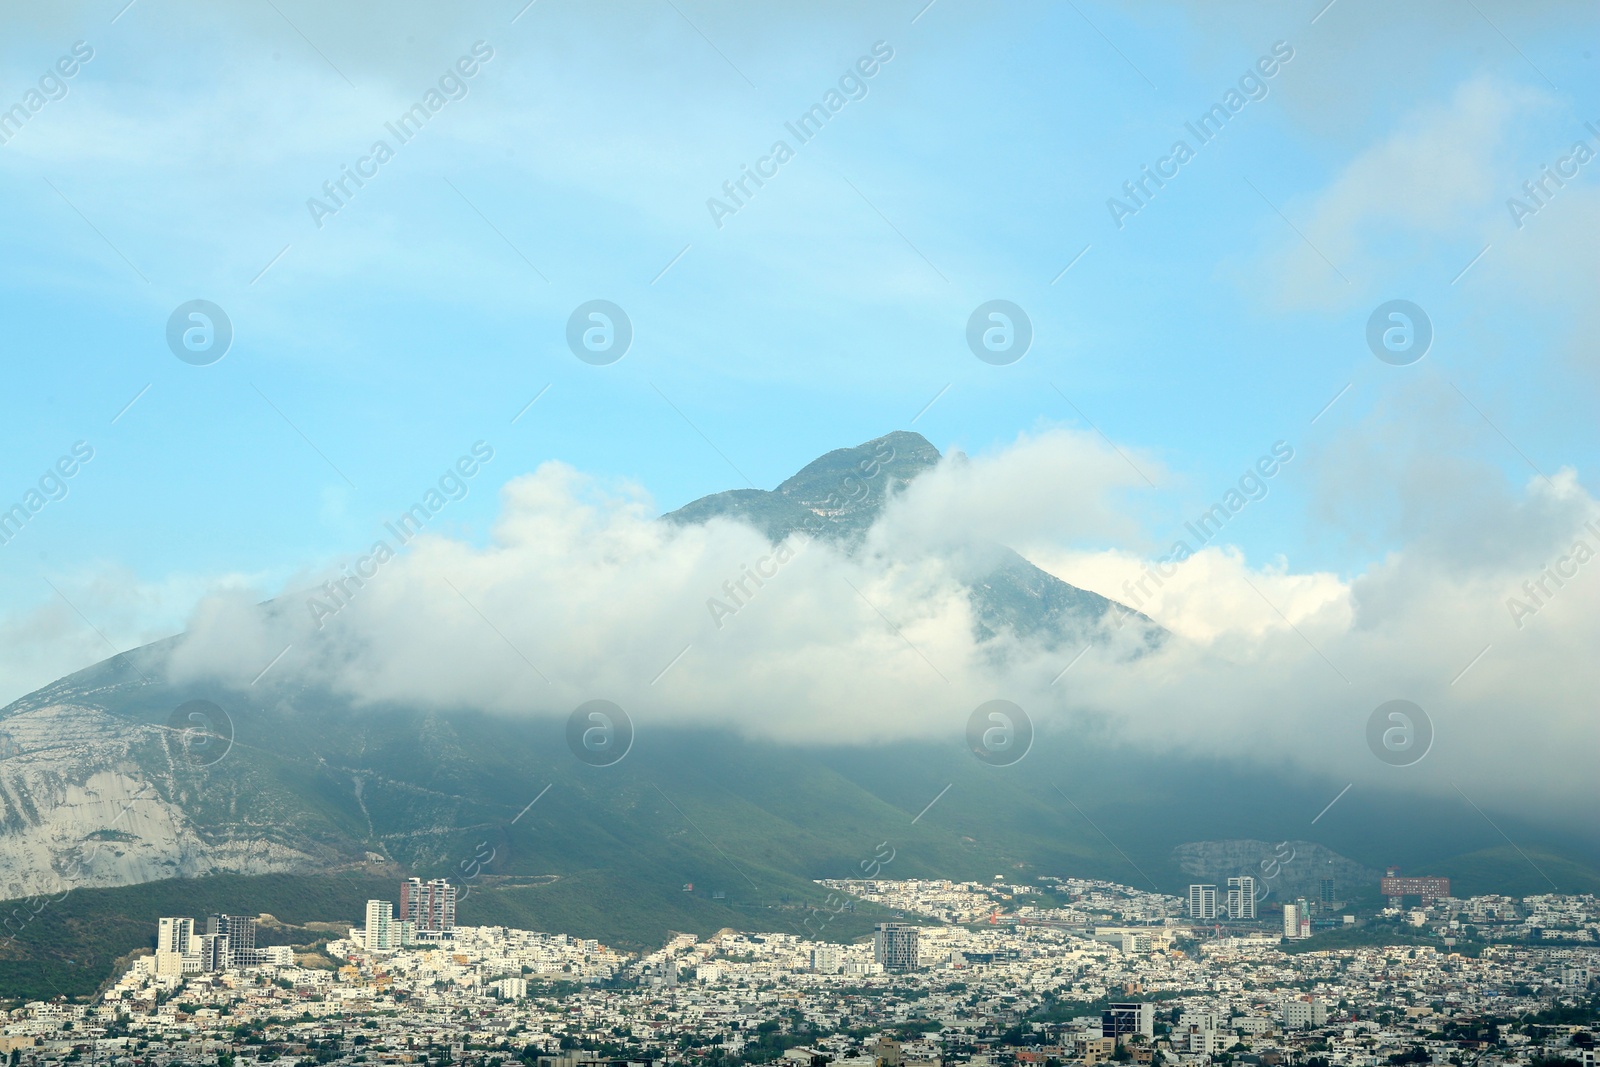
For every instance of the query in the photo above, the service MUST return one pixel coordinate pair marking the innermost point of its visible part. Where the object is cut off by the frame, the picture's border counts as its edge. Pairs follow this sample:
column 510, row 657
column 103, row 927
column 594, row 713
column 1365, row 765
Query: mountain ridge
column 841, row 494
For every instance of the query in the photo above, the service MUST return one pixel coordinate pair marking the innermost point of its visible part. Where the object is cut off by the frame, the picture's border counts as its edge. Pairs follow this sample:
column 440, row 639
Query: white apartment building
column 1242, row 897
column 380, row 932
column 1303, row 1012
column 175, row 935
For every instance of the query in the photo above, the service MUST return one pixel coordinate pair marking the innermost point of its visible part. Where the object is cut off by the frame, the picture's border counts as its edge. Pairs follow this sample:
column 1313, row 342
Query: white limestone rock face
column 79, row 808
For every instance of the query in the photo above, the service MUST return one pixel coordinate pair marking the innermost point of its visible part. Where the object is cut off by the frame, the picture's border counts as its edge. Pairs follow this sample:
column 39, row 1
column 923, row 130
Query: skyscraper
column 1242, row 897
column 1291, row 921
column 1326, row 896
column 240, row 932
column 1202, row 902
column 175, row 935
column 428, row 905
column 214, row 954
column 380, row 931
column 895, row 946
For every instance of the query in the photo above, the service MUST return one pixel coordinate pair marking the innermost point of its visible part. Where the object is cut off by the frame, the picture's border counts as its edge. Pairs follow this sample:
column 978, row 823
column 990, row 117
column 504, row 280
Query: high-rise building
column 240, row 932
column 214, row 955
column 1291, row 921
column 1202, row 902
column 381, row 928
column 894, row 945
column 175, row 935
column 428, row 905
column 1242, row 897
column 1123, row 1020
column 1326, row 893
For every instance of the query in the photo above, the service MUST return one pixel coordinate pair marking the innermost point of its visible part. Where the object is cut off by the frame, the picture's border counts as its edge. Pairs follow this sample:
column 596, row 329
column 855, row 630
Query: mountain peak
column 838, row 497
column 845, row 489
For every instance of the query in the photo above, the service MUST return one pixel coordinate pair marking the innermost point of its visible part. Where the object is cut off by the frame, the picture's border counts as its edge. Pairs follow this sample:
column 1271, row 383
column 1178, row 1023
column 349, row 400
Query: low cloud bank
column 580, row 593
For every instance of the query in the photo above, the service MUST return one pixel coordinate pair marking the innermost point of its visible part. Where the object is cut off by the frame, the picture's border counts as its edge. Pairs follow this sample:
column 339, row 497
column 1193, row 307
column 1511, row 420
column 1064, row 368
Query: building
column 1327, row 893
column 894, row 945
column 1291, row 921
column 1202, row 902
column 510, row 988
column 276, row 955
column 214, row 955
column 825, row 959
column 1124, row 1020
column 1092, row 1049
column 381, row 934
column 1200, row 1032
column 1394, row 887
column 239, row 932
column 175, row 964
column 1127, row 942
column 1241, row 897
column 429, row 906
column 1304, row 1012
column 175, row 935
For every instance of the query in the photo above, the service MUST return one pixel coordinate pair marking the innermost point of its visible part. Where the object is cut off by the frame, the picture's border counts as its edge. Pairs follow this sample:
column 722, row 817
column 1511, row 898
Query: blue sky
column 371, row 351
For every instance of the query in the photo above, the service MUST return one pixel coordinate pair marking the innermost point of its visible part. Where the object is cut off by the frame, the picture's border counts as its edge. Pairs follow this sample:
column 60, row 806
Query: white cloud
column 87, row 615
column 1210, row 597
column 1062, row 486
column 1440, row 176
column 581, row 594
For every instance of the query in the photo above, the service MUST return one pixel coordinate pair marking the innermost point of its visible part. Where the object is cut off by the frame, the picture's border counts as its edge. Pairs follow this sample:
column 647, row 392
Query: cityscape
column 973, row 973
column 872, row 533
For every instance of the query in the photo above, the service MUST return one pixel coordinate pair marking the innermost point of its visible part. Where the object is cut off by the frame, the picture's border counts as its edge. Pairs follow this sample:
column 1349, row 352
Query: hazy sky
column 1367, row 155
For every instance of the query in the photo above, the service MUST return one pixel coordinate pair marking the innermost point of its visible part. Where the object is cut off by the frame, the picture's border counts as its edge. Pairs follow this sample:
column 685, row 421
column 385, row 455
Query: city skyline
column 1302, row 1004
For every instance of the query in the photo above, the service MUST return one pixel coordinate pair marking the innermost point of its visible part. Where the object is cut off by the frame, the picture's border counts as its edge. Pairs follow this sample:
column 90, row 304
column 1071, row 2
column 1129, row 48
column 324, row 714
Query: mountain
column 310, row 801
column 839, row 496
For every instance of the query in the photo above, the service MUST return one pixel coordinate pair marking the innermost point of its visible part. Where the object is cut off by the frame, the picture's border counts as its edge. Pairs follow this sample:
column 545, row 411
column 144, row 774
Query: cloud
column 580, row 594
column 86, row 615
column 1057, row 485
column 1437, row 178
column 1355, row 61
column 1413, row 208
column 1214, row 596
